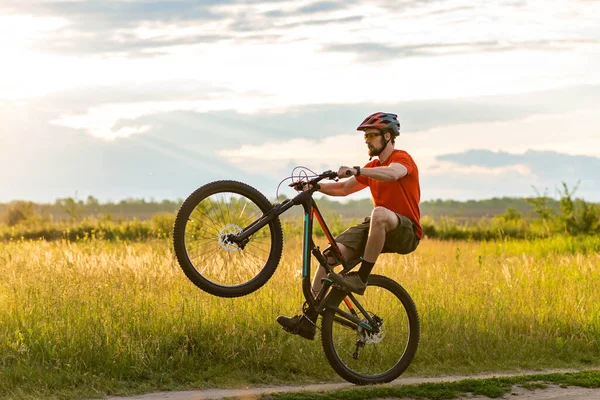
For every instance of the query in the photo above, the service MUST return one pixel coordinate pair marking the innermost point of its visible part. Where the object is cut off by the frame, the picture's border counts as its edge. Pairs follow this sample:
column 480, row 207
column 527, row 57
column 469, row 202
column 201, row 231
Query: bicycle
column 228, row 241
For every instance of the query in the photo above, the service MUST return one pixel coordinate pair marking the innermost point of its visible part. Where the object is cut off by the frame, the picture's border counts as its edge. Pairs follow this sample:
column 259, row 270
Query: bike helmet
column 386, row 122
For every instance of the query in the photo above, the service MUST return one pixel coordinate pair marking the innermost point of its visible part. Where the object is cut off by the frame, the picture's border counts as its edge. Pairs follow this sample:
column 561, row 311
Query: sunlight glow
column 20, row 59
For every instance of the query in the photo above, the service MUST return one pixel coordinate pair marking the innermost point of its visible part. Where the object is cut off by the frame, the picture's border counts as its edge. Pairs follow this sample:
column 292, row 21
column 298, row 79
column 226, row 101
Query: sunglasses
column 371, row 136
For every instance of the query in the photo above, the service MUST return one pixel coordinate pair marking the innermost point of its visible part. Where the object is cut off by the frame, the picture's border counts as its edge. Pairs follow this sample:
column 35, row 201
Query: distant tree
column 576, row 215
column 542, row 206
column 567, row 216
column 19, row 211
column 573, row 216
column 92, row 202
column 511, row 214
column 72, row 207
column 590, row 218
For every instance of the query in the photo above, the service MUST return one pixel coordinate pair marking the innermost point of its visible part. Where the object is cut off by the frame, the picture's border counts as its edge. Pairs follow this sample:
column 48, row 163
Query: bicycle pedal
column 336, row 278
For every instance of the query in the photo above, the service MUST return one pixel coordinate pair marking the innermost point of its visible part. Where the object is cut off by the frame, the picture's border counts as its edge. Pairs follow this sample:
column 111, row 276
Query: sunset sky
column 152, row 99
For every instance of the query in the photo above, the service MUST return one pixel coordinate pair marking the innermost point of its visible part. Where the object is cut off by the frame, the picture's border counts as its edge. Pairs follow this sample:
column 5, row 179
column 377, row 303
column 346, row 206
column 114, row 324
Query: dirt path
column 552, row 392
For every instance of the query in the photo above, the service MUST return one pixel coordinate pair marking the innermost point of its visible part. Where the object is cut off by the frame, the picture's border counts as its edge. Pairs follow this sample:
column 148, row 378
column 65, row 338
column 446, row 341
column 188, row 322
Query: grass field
column 90, row 318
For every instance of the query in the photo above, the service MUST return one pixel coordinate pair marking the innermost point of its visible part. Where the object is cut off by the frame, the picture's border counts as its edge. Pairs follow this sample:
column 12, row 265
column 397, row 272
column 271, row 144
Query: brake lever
column 297, row 185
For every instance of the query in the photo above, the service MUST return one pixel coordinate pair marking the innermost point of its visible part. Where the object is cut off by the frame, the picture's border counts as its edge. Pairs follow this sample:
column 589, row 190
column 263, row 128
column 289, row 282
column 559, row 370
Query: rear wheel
column 201, row 239
column 361, row 356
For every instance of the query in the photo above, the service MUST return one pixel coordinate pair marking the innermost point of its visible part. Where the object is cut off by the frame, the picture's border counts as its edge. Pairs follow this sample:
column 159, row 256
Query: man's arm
column 393, row 172
column 341, row 188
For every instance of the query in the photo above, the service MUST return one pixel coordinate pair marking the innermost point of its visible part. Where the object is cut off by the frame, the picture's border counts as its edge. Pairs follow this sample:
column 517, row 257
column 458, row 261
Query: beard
column 374, row 151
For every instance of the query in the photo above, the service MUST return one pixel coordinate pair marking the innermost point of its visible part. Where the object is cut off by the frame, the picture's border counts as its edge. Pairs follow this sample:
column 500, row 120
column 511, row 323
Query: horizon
column 152, row 99
column 318, row 197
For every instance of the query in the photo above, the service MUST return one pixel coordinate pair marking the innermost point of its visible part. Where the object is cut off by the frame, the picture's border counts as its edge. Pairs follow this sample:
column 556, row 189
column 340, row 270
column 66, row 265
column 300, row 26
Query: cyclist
column 393, row 226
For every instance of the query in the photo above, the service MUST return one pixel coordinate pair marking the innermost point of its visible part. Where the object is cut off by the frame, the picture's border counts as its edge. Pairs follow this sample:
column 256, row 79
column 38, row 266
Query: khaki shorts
column 402, row 240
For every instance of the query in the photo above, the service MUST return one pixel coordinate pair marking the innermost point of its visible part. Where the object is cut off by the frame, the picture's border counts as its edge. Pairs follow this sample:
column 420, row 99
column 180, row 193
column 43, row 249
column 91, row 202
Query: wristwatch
column 357, row 168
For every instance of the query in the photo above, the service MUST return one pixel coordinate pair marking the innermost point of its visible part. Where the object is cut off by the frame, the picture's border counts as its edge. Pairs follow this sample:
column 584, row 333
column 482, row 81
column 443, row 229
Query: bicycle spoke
column 253, row 217
column 381, row 351
column 242, row 212
column 226, row 264
column 205, row 254
column 259, row 248
column 202, row 242
column 204, row 226
column 200, row 239
column 201, row 248
column 222, row 214
column 250, row 256
column 212, row 223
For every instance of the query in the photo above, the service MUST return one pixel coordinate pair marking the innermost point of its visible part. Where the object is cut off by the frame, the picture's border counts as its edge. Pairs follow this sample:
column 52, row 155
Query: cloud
column 99, row 110
column 314, row 22
column 126, row 44
column 516, row 155
column 146, row 28
column 95, row 15
column 139, row 28
column 546, row 169
column 273, row 156
column 302, row 52
column 485, row 158
column 322, row 6
column 376, row 52
column 182, row 149
column 396, row 30
column 472, row 174
column 169, row 161
column 545, row 164
column 229, row 73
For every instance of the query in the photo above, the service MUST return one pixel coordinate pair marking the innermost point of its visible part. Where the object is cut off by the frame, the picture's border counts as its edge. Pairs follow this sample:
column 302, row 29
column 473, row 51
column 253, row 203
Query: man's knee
column 381, row 216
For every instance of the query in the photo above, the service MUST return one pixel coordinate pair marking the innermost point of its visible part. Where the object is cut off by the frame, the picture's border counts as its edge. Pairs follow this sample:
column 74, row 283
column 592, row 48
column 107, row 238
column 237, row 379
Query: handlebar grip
column 348, row 173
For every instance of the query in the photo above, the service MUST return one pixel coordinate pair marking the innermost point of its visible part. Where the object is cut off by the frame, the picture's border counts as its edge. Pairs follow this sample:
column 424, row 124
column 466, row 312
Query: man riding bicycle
column 393, row 226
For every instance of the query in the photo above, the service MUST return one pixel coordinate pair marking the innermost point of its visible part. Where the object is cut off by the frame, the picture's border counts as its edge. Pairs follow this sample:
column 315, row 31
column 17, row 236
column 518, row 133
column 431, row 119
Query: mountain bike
column 228, row 240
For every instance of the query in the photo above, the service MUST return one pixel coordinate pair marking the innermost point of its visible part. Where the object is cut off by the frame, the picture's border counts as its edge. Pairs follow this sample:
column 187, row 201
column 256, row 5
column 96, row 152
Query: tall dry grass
column 97, row 317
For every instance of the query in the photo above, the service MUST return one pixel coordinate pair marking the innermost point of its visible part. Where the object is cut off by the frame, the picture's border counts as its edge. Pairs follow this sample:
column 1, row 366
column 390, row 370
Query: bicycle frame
column 325, row 296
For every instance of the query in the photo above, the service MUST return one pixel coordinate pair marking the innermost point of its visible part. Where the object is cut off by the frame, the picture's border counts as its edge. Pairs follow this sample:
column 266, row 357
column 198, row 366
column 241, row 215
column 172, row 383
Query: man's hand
column 343, row 172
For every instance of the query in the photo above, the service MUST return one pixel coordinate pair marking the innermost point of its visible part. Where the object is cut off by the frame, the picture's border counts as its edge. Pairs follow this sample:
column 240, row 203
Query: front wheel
column 361, row 356
column 201, row 239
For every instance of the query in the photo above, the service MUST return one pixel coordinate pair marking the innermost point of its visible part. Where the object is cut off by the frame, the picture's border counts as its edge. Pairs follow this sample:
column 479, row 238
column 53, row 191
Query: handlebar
column 325, row 175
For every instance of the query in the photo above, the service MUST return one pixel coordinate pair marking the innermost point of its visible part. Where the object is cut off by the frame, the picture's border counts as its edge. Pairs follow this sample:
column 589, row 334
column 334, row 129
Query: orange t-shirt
column 401, row 196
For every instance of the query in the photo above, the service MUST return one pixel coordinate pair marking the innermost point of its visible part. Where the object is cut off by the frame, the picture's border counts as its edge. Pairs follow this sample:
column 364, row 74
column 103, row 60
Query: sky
column 153, row 99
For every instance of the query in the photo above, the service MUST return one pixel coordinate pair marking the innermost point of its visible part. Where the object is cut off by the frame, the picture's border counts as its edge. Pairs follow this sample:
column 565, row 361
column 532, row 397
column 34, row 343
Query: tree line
column 541, row 215
column 70, row 208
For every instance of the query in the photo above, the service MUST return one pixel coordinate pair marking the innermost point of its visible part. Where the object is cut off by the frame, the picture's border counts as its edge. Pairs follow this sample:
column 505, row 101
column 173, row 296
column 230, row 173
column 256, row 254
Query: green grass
column 492, row 387
column 94, row 318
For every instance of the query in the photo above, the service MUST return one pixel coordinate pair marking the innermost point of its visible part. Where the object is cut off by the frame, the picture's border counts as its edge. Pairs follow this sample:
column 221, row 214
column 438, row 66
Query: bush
column 19, row 211
column 162, row 224
column 575, row 216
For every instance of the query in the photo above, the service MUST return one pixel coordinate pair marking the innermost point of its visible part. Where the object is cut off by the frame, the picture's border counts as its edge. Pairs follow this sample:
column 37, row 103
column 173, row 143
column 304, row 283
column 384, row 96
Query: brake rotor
column 224, row 242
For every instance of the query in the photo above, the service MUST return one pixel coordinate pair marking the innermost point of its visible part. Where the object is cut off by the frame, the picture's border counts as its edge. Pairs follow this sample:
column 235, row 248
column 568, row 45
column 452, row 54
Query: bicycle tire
column 215, row 224
column 336, row 345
